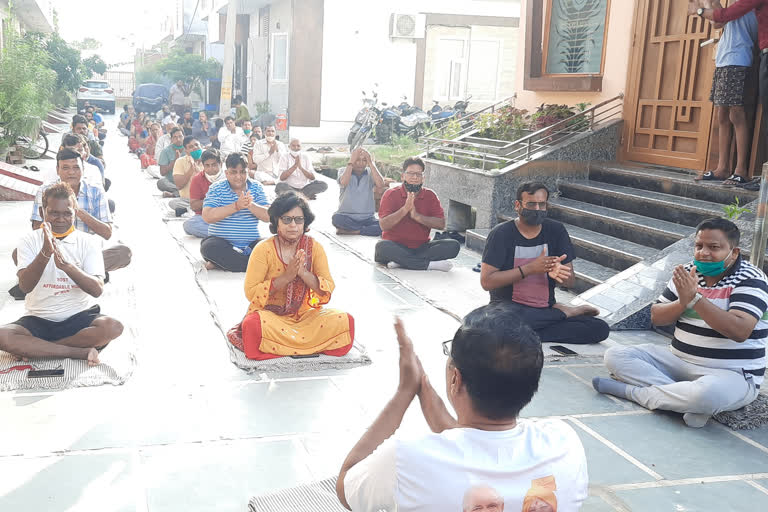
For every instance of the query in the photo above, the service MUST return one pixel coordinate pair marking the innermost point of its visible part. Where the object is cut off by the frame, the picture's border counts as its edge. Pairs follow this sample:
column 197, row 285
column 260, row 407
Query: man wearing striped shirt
column 232, row 208
column 716, row 361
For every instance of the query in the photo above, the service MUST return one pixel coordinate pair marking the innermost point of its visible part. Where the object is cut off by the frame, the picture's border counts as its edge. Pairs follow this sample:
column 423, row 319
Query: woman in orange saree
column 287, row 283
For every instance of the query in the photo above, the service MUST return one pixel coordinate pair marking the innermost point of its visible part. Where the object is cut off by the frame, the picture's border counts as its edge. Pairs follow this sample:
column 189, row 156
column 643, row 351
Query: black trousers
column 418, row 258
column 552, row 325
column 223, row 254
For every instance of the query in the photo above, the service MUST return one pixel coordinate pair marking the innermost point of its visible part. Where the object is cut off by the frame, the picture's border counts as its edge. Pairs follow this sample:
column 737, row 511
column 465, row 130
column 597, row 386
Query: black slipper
column 735, row 179
column 708, row 176
column 476, row 268
column 753, row 185
column 16, row 293
column 34, row 168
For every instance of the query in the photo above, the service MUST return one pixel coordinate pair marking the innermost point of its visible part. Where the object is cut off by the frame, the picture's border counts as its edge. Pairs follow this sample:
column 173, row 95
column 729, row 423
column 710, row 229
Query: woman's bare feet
column 583, row 310
column 340, row 231
column 210, row 265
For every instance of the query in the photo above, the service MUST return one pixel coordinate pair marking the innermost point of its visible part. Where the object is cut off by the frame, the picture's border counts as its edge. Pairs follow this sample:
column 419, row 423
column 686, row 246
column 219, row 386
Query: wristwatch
column 700, row 11
column 696, row 298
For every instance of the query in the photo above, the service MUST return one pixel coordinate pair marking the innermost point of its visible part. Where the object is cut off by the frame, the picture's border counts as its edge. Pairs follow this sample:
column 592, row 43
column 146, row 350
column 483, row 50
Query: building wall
column 358, row 53
column 618, row 45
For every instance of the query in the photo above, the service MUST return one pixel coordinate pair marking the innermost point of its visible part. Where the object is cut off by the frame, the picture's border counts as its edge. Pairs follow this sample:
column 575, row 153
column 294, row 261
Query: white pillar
column 225, row 101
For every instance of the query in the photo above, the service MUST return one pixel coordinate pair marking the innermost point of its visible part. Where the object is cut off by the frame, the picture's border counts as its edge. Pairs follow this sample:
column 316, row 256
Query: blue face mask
column 711, row 268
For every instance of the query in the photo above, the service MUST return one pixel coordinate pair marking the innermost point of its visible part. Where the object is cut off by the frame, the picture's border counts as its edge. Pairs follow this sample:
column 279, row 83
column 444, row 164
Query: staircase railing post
column 757, row 257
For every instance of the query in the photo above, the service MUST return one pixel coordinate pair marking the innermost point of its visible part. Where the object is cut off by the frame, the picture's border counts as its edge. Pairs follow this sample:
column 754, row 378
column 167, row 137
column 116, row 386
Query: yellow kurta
column 313, row 328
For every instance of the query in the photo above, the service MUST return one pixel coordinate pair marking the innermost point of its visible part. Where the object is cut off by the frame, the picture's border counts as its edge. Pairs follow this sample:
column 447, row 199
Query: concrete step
column 669, row 181
column 641, row 230
column 607, row 250
column 589, row 274
column 658, row 205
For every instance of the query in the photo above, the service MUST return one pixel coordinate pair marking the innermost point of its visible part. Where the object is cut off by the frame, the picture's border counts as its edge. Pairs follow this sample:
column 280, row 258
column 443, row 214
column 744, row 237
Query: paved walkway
column 189, row 431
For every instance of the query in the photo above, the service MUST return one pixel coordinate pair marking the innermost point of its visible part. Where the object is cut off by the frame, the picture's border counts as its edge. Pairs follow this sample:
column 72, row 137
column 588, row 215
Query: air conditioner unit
column 408, row 26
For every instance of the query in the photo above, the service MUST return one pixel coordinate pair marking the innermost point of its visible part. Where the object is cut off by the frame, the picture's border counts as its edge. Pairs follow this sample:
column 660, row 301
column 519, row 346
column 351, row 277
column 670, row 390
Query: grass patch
column 389, row 158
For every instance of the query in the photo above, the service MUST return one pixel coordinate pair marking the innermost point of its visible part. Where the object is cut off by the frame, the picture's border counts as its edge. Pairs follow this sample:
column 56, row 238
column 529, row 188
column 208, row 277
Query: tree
column 191, row 69
column 94, row 64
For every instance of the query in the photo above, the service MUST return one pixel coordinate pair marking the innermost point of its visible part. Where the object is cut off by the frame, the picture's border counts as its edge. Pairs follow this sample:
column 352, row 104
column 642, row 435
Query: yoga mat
column 314, row 497
column 118, row 359
column 752, row 416
column 224, row 292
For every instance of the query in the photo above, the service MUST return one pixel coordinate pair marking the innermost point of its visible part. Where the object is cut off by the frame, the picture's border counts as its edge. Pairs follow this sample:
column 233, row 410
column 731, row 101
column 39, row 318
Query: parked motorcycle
column 366, row 121
column 438, row 113
column 403, row 119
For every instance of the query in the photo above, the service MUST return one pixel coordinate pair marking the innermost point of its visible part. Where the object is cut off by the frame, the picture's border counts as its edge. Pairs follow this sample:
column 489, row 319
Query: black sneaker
column 16, row 293
column 180, row 211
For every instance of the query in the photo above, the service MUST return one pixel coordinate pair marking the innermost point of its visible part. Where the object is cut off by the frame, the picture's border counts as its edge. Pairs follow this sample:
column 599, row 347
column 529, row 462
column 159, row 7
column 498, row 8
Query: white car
column 98, row 93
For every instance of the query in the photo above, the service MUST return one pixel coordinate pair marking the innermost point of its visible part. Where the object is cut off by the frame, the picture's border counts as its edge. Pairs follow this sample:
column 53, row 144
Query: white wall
column 358, row 52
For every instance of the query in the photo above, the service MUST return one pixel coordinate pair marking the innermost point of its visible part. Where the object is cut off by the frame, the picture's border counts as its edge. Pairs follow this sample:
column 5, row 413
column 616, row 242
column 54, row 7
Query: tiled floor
column 189, row 431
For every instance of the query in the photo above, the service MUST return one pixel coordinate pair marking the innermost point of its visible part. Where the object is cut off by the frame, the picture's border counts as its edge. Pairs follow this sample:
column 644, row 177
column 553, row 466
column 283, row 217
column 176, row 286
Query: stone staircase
column 623, row 214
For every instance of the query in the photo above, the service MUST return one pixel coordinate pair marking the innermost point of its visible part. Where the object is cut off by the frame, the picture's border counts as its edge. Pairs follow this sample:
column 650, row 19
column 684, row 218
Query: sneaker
column 180, row 211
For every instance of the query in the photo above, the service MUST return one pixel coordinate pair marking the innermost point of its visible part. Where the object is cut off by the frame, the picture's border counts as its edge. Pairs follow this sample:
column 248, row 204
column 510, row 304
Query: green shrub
column 26, row 86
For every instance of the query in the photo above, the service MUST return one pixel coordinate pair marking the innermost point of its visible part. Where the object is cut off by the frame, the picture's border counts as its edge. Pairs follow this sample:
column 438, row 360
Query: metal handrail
column 526, row 146
column 471, row 115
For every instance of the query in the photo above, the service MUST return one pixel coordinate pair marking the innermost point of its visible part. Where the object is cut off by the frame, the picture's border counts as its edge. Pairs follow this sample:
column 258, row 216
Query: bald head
column 482, row 498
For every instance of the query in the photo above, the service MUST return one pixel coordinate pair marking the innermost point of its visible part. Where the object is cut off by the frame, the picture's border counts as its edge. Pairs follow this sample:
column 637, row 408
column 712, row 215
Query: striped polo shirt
column 241, row 228
column 743, row 288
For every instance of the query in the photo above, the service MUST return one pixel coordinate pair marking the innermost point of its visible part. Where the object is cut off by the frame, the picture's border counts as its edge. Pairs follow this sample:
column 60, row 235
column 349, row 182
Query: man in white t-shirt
column 487, row 454
column 297, row 173
column 266, row 155
column 231, row 137
column 60, row 269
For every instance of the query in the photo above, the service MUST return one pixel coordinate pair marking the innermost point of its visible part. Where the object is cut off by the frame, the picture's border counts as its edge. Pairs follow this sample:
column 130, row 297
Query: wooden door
column 667, row 112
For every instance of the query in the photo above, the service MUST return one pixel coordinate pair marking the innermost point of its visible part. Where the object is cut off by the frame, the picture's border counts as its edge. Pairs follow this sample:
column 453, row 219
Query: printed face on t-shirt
column 482, row 498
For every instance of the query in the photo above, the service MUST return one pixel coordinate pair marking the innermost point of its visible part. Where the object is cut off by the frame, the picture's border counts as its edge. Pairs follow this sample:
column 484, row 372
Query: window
column 279, row 57
column 451, row 78
column 574, row 37
column 484, row 67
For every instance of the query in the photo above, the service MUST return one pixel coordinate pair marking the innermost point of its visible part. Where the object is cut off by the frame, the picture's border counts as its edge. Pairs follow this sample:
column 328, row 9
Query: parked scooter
column 366, row 120
column 401, row 120
column 438, row 113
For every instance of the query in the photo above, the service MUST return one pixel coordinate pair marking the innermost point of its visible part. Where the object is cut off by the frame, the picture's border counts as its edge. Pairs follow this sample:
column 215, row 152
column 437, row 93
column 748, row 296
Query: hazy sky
column 120, row 26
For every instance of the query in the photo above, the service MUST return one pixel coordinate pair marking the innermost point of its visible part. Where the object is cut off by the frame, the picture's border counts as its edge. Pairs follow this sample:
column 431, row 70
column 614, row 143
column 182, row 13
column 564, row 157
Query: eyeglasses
column 447, row 347
column 534, row 206
column 287, row 219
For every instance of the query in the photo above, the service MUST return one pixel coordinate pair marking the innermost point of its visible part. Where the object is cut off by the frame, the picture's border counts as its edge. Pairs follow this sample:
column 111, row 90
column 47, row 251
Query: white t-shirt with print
column 539, row 462
column 56, row 297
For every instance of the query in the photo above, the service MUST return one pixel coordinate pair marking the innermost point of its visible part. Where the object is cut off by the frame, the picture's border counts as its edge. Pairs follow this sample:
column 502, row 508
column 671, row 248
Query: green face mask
column 196, row 154
column 247, row 132
column 177, row 147
column 711, row 268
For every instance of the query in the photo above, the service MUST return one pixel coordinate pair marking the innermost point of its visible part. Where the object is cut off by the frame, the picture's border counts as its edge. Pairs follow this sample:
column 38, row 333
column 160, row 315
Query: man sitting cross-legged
column 60, row 269
column 493, row 370
column 524, row 259
column 406, row 215
column 357, row 209
column 166, row 160
column 297, row 173
column 717, row 358
column 183, row 170
column 198, row 188
column 232, row 209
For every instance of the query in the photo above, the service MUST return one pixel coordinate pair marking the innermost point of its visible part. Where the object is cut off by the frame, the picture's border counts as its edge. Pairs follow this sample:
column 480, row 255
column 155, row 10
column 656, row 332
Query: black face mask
column 533, row 217
column 412, row 188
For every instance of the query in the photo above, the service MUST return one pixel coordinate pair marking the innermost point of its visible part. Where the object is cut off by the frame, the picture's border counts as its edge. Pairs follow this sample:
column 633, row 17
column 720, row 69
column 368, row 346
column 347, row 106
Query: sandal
column 753, row 185
column 735, row 179
column 707, row 176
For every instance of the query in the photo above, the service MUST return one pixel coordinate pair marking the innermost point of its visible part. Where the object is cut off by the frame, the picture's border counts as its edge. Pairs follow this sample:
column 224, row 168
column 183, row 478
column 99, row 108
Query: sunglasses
column 287, row 219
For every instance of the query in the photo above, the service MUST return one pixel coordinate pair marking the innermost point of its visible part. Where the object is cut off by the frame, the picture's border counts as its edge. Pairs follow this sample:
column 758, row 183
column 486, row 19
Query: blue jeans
column 196, row 226
column 366, row 227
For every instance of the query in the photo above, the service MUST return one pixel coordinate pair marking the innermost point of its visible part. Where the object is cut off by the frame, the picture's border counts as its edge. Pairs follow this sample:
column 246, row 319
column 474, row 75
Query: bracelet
column 522, row 274
column 44, row 255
